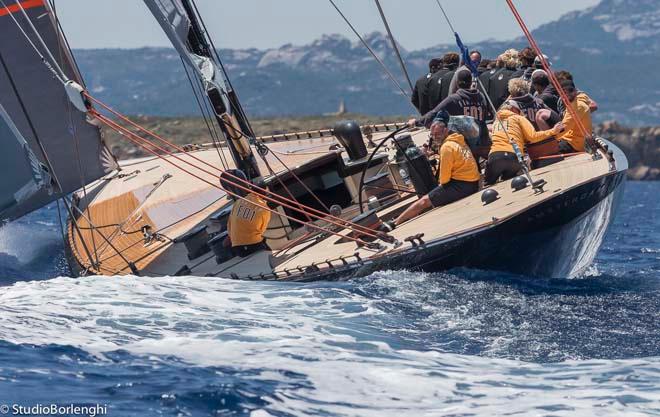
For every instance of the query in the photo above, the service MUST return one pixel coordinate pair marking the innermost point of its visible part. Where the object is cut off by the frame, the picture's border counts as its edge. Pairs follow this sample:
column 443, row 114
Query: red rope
column 551, row 74
column 138, row 140
column 262, row 191
column 540, row 158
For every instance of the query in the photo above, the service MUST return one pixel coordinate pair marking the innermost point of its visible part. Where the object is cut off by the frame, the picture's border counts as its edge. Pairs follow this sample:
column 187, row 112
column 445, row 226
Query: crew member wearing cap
column 248, row 219
column 420, row 95
column 502, row 160
column 466, row 101
column 533, row 108
column 459, row 175
column 573, row 138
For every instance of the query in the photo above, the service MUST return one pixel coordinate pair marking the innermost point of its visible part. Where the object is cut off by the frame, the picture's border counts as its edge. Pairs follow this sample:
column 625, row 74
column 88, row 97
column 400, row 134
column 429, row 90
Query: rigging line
column 371, row 51
column 299, row 180
column 243, row 188
column 552, row 76
column 29, row 120
column 222, row 66
column 514, row 145
column 394, row 45
column 72, row 129
column 212, row 132
column 74, row 225
column 312, row 225
column 131, row 217
column 250, row 187
column 174, row 223
column 270, row 169
column 41, row 40
column 43, row 59
column 129, row 264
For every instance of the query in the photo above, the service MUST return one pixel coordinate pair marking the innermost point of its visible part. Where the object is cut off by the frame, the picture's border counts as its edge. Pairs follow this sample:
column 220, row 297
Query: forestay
column 36, row 104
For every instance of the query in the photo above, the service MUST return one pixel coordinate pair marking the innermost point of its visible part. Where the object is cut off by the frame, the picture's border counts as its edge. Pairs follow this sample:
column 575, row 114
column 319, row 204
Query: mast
column 181, row 22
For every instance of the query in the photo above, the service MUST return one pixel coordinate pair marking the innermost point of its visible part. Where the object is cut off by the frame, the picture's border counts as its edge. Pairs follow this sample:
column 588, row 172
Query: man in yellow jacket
column 248, row 219
column 572, row 140
column 459, row 174
column 510, row 123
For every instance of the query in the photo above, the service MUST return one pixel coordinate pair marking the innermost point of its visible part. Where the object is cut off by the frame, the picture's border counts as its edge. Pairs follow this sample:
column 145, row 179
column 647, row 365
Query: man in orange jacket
column 572, row 140
column 248, row 219
column 459, row 174
column 511, row 125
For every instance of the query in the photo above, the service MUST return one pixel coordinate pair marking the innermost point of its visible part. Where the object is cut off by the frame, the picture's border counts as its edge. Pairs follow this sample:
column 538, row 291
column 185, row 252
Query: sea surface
column 461, row 343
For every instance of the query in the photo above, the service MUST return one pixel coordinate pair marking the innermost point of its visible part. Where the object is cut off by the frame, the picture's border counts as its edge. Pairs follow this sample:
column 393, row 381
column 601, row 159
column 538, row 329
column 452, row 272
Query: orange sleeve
column 446, row 163
column 530, row 135
column 265, row 219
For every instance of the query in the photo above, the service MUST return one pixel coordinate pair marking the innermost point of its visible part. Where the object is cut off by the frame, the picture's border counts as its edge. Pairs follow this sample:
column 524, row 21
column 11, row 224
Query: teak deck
column 177, row 204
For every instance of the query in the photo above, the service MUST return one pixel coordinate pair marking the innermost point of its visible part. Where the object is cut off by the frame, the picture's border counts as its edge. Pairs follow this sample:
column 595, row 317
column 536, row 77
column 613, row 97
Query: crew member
column 459, row 175
column 420, row 95
column 475, row 57
column 572, row 140
column 467, row 101
column 544, row 90
column 499, row 81
column 565, row 75
column 533, row 108
column 502, row 160
column 526, row 57
column 439, row 83
column 248, row 219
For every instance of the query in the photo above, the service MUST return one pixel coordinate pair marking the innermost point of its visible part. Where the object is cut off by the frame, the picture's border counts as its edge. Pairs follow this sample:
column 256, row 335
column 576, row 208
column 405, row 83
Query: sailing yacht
column 167, row 214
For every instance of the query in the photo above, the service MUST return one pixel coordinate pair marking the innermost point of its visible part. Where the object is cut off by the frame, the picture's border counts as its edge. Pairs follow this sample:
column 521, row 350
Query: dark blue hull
column 557, row 238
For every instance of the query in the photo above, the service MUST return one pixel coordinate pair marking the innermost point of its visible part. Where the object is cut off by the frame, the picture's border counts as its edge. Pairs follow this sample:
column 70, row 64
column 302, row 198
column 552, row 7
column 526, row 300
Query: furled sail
column 37, row 107
column 183, row 27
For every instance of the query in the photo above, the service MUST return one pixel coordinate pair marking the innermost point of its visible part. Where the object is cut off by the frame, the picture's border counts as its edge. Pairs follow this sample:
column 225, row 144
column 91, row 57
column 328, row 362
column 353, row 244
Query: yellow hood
column 505, row 114
column 456, row 137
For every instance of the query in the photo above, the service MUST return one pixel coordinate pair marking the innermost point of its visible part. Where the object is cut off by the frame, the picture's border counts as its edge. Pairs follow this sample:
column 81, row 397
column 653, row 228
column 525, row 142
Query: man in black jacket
column 465, row 102
column 439, row 82
column 545, row 91
column 420, row 95
column 498, row 84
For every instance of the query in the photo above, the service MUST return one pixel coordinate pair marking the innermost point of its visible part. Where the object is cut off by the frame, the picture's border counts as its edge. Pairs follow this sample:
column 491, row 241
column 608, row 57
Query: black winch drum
column 349, row 134
column 420, row 172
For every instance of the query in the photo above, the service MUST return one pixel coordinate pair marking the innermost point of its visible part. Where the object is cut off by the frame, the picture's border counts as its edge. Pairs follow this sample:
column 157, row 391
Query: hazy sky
column 270, row 23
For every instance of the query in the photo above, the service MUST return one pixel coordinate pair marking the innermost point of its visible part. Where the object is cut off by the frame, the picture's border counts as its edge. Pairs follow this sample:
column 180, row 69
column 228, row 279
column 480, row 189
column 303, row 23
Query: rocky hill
column 611, row 48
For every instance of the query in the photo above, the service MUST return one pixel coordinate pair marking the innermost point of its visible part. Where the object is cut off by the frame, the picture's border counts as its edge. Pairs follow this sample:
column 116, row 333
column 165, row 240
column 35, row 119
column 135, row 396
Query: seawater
column 460, row 343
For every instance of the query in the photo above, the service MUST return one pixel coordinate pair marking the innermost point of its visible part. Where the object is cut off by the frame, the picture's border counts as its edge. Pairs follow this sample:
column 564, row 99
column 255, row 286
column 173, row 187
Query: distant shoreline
column 641, row 144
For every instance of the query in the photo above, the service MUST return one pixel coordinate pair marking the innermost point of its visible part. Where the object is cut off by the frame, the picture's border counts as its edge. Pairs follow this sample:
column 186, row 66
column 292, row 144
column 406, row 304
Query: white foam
column 306, row 330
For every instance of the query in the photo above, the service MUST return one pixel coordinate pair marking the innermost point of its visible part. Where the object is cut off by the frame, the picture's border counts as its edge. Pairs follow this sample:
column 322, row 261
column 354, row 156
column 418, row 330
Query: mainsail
column 36, row 104
column 183, row 27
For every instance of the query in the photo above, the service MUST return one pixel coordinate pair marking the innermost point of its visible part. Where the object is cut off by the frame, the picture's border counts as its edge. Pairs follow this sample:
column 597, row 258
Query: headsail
column 183, row 27
column 36, row 104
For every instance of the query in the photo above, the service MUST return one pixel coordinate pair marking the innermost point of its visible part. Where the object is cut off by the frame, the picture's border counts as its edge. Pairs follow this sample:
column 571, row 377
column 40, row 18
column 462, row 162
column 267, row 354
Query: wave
column 390, row 344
